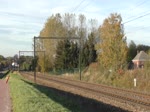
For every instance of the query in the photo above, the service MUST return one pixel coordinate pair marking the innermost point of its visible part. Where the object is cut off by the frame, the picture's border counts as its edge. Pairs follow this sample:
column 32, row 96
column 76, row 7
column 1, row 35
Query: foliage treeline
column 26, row 63
column 113, row 44
column 133, row 49
column 5, row 62
column 105, row 44
column 64, row 53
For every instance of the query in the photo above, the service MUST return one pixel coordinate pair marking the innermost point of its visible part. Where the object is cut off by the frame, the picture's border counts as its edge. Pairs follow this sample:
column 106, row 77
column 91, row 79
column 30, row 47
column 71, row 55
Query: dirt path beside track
column 5, row 101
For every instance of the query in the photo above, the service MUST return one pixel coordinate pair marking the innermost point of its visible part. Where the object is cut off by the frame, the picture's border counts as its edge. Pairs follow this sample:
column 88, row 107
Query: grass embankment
column 124, row 80
column 29, row 97
column 121, row 79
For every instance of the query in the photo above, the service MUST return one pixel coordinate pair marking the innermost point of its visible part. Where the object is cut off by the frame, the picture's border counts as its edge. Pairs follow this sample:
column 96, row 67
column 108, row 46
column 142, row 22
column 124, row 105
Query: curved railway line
column 127, row 99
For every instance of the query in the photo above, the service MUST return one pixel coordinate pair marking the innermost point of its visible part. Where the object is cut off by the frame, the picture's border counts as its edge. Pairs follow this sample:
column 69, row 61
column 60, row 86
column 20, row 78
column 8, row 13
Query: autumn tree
column 112, row 47
column 147, row 64
column 53, row 28
column 67, row 25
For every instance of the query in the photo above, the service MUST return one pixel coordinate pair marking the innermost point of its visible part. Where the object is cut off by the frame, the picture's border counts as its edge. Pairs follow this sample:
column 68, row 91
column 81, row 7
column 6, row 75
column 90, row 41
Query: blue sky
column 21, row 20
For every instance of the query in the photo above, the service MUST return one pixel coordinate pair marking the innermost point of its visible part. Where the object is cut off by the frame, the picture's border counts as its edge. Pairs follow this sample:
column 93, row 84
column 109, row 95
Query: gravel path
column 5, row 102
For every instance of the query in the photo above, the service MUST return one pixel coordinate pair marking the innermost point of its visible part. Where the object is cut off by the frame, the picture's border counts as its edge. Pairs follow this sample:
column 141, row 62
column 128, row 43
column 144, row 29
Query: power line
column 139, row 28
column 78, row 5
column 143, row 28
column 135, row 7
column 141, row 4
column 137, row 18
column 87, row 4
column 133, row 16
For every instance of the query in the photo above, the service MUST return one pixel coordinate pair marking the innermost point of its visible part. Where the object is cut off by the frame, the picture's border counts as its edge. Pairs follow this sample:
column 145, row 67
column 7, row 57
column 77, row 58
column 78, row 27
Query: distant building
column 140, row 58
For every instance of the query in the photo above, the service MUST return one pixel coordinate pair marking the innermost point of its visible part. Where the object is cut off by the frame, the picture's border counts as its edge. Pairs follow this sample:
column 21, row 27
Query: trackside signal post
column 63, row 38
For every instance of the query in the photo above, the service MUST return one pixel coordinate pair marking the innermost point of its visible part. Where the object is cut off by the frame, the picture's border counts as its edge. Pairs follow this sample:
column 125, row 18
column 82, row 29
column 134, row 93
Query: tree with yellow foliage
column 112, row 46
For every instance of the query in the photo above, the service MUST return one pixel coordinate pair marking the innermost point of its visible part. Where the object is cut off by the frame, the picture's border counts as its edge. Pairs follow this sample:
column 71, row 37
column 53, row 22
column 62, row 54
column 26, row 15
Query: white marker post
column 134, row 82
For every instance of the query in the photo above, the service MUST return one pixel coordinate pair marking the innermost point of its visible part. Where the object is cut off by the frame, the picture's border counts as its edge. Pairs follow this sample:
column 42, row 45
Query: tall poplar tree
column 112, row 46
column 53, row 28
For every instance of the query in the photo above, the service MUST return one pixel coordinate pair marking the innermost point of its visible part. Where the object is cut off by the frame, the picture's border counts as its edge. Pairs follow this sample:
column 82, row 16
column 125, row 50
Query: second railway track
column 96, row 91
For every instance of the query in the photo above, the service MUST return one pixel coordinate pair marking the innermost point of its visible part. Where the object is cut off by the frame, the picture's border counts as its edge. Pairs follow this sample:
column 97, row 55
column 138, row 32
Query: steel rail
column 135, row 98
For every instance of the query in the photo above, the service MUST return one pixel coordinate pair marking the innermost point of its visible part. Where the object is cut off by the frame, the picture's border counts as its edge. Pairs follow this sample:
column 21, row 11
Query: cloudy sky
column 21, row 20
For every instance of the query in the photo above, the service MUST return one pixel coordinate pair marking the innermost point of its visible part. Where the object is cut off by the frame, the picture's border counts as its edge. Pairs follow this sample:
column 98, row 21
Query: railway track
column 97, row 91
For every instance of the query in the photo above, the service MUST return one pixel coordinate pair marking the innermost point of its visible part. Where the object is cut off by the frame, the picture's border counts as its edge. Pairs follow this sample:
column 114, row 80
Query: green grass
column 29, row 97
column 124, row 80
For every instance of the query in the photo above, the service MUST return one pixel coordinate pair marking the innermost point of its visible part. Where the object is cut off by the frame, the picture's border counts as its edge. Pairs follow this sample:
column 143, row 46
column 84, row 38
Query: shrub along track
column 126, row 99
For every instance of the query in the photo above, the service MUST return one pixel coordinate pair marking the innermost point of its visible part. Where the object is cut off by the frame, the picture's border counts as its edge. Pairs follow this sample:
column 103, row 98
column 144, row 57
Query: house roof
column 141, row 56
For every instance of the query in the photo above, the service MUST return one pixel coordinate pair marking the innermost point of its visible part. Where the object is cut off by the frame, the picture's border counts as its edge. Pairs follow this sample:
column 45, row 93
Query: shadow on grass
column 4, row 74
column 74, row 102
